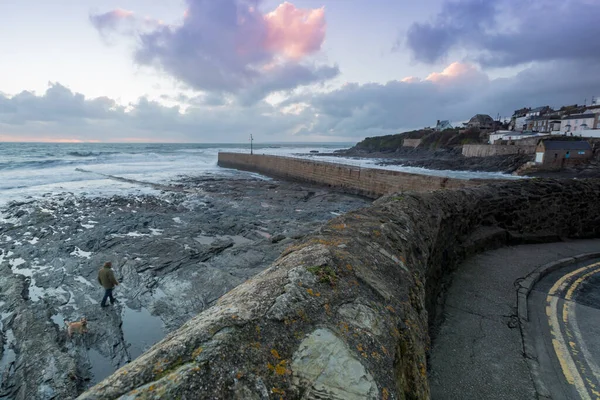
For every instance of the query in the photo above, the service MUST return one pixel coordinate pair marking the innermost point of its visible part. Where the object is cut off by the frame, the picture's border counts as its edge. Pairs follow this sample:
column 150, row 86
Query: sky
column 216, row 71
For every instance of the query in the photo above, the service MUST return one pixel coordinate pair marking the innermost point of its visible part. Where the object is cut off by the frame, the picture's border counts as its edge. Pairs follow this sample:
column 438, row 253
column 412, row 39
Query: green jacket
column 106, row 278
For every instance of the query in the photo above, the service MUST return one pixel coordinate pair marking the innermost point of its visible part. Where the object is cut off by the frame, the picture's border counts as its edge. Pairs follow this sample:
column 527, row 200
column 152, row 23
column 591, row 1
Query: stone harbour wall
column 369, row 182
column 488, row 150
column 347, row 312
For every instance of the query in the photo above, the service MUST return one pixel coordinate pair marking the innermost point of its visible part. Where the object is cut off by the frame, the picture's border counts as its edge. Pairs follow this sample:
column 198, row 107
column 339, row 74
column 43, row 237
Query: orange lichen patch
column 302, row 315
column 385, row 394
column 344, row 327
column 402, row 259
column 395, row 332
column 349, row 267
column 386, row 352
column 275, row 354
column 151, row 388
column 159, row 367
column 239, row 375
column 353, row 283
column 270, row 367
column 277, row 391
column 375, row 354
column 310, row 292
column 327, row 309
column 234, row 317
column 197, row 352
column 422, row 369
column 338, row 226
column 256, row 345
column 281, row 368
column 390, row 308
column 376, row 233
column 361, row 349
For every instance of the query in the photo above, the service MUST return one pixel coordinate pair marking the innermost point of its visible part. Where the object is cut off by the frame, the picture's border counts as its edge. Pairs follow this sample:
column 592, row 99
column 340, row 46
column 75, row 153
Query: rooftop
column 566, row 145
column 580, row 116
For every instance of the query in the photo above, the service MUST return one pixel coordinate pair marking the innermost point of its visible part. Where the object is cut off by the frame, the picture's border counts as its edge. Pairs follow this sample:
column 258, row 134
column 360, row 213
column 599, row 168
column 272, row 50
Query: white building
column 521, row 123
column 498, row 135
column 579, row 122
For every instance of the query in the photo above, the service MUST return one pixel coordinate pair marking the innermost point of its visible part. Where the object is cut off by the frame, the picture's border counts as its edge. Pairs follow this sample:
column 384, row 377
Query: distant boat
column 314, row 151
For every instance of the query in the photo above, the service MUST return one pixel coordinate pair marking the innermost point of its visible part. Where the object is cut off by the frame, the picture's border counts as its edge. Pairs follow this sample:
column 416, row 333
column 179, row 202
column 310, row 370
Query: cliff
column 347, row 313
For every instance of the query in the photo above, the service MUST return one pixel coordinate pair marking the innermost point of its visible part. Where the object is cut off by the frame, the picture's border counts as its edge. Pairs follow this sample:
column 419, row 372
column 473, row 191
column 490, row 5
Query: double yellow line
column 574, row 370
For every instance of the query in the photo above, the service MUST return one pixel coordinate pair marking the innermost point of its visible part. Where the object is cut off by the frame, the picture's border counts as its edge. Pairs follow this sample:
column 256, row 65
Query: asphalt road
column 564, row 309
column 478, row 352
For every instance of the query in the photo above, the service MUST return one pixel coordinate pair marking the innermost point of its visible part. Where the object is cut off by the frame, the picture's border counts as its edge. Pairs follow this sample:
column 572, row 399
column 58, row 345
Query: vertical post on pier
column 251, row 139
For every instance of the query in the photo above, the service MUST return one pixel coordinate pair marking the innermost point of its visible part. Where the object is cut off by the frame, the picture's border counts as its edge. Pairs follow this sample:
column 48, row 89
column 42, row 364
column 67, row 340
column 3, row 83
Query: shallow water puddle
column 101, row 367
column 140, row 330
column 8, row 356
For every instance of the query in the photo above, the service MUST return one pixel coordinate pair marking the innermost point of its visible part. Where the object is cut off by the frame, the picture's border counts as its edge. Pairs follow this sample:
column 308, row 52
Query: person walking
column 106, row 278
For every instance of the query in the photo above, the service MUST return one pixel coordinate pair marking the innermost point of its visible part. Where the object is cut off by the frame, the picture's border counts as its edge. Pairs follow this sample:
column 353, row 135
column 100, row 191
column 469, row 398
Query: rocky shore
column 440, row 159
column 175, row 254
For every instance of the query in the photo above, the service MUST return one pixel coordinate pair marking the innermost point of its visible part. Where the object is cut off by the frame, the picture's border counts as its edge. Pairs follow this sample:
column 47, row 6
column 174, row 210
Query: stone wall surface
column 347, row 313
column 369, row 182
column 488, row 150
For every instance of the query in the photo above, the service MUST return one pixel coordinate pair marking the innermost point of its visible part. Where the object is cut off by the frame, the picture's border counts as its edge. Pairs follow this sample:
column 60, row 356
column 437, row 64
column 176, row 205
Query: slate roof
column 566, row 145
column 539, row 109
column 580, row 116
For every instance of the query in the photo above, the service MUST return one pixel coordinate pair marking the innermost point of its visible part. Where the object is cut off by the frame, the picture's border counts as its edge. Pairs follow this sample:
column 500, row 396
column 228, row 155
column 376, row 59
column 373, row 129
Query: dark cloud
column 351, row 112
column 510, row 32
column 458, row 22
column 228, row 46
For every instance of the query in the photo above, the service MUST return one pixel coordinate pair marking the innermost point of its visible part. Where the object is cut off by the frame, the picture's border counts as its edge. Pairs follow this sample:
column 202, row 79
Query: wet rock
column 57, row 245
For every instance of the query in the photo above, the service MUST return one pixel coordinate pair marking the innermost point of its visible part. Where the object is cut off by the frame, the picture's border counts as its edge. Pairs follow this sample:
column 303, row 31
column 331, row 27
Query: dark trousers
column 107, row 295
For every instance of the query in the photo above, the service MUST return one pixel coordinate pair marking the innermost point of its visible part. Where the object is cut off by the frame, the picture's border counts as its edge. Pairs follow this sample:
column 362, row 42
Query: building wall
column 411, row 142
column 368, row 182
column 557, row 158
column 576, row 124
column 487, row 150
column 520, row 123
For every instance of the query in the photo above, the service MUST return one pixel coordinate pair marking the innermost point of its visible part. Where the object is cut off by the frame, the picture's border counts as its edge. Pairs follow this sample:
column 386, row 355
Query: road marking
column 569, row 310
column 570, row 370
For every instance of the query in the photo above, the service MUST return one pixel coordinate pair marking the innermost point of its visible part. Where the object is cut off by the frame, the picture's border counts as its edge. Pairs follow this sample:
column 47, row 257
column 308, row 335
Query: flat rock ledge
column 348, row 312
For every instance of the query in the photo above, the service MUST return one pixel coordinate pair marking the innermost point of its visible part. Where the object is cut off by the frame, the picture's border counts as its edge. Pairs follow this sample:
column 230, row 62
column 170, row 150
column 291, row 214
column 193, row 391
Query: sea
column 30, row 171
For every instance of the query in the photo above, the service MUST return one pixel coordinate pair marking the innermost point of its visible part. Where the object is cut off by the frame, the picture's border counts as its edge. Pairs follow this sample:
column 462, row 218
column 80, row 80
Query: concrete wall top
column 370, row 182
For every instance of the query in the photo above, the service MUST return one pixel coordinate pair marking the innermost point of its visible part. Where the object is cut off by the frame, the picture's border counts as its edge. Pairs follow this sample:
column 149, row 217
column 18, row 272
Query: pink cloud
column 111, row 19
column 295, row 32
column 411, row 79
column 453, row 72
column 230, row 46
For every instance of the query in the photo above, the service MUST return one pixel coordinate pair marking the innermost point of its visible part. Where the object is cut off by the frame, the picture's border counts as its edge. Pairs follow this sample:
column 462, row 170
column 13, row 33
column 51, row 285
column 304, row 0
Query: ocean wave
column 91, row 153
column 31, row 164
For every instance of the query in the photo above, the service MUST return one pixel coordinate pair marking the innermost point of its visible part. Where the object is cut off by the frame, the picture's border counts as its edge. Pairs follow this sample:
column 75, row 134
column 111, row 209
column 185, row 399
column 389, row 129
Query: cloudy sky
column 216, row 71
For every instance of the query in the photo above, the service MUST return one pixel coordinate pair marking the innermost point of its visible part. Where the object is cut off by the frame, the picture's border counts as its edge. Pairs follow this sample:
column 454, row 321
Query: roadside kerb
column 524, row 288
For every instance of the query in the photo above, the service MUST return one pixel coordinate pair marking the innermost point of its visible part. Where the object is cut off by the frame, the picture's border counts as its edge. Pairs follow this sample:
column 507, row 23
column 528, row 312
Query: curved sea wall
column 368, row 182
column 347, row 313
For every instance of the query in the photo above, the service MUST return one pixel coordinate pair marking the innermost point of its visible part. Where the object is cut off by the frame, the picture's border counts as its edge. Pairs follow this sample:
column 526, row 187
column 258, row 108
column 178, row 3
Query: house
column 579, row 122
column 544, row 123
column 556, row 154
column 442, row 125
column 498, row 135
column 481, row 121
column 539, row 111
column 517, row 121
